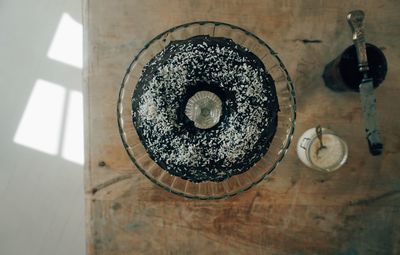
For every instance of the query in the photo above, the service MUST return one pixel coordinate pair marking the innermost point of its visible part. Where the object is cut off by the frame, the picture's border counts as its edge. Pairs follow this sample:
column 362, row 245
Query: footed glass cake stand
column 237, row 183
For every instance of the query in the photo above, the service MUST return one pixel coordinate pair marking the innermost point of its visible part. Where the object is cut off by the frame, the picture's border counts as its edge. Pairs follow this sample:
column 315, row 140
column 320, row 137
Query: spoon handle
column 318, row 130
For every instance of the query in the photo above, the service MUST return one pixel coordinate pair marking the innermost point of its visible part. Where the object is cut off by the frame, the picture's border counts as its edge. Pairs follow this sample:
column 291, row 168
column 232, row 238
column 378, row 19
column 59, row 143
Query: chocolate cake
column 247, row 96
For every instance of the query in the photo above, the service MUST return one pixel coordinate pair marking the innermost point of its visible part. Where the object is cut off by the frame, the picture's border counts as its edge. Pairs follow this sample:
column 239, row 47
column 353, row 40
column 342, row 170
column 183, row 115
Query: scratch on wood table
column 110, row 182
column 371, row 200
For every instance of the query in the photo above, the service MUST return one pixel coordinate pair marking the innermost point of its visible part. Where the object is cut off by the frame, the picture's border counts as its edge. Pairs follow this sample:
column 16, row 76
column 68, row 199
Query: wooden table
column 355, row 210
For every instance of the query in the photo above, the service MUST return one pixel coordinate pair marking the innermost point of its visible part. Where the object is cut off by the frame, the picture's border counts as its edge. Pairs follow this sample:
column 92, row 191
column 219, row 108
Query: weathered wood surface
column 355, row 210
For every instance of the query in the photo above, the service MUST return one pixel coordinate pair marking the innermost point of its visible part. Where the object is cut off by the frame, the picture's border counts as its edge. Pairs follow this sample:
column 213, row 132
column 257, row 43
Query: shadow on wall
column 52, row 121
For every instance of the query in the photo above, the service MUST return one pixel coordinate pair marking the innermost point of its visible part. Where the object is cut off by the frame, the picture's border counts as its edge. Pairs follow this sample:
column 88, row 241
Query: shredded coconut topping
column 243, row 135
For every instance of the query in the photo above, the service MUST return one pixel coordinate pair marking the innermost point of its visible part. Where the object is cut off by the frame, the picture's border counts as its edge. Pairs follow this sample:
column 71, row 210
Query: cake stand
column 237, row 183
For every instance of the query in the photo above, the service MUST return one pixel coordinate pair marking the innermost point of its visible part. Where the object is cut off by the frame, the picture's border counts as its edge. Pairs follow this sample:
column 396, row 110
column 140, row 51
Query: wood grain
column 297, row 210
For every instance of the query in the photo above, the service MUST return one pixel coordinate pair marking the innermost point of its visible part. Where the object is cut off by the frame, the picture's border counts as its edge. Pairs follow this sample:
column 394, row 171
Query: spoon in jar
column 318, row 130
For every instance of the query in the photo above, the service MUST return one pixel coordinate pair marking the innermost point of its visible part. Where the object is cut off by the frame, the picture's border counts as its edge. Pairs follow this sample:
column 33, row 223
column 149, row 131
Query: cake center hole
column 205, row 112
column 204, row 109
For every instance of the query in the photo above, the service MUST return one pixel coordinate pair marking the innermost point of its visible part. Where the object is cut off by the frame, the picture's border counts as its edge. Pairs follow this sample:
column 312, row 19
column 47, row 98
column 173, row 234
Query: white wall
column 41, row 172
